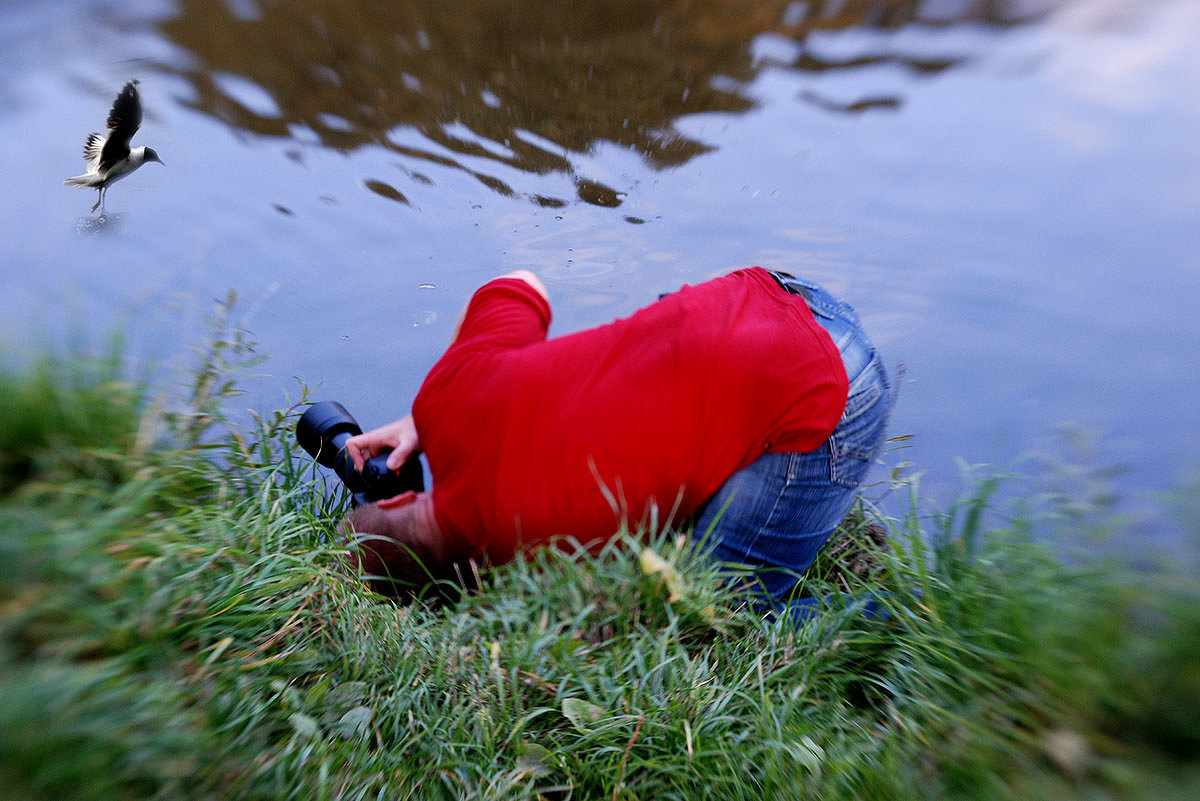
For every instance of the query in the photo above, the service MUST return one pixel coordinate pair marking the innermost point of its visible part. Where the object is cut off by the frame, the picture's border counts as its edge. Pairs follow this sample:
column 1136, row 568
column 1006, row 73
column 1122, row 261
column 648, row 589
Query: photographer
column 752, row 404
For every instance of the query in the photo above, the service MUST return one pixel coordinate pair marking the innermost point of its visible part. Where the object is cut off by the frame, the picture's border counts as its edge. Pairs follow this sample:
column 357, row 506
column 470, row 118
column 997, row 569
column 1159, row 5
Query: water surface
column 1007, row 191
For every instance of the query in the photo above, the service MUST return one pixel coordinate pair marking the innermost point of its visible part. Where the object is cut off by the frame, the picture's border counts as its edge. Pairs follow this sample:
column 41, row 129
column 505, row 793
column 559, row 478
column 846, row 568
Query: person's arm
column 400, row 436
column 520, row 275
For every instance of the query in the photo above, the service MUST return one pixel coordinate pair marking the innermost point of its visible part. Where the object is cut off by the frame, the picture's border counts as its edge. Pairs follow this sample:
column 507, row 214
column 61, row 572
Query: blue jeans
column 774, row 515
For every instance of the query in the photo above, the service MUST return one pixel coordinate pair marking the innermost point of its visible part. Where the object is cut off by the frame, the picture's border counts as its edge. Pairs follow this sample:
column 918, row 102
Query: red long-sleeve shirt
column 529, row 438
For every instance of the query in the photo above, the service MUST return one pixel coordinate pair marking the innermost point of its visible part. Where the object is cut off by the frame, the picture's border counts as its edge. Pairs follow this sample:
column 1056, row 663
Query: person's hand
column 400, row 436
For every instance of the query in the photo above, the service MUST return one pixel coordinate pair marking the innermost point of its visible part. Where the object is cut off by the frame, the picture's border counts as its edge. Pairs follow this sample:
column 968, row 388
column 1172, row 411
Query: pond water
column 1009, row 192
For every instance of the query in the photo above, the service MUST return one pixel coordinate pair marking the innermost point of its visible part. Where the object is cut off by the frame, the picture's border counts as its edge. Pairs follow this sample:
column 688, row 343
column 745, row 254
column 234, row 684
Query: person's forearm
column 520, row 275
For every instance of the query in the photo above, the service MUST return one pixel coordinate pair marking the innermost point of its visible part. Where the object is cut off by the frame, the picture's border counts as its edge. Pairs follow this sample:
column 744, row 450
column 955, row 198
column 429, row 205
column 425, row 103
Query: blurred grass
column 176, row 623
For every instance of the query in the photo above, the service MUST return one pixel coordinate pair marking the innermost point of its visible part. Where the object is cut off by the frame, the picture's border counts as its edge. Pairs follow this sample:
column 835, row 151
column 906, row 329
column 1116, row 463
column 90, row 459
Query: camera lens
column 323, row 430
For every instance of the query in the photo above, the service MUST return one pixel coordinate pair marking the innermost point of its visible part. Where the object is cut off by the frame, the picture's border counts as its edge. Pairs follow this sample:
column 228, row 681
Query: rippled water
column 1008, row 191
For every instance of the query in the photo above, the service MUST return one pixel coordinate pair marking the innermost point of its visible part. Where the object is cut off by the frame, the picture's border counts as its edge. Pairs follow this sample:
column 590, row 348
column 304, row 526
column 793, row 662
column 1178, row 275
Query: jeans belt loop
column 794, row 288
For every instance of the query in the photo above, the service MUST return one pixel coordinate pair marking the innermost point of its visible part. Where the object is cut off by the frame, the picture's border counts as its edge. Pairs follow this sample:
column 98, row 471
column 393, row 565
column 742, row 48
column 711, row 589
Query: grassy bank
column 175, row 623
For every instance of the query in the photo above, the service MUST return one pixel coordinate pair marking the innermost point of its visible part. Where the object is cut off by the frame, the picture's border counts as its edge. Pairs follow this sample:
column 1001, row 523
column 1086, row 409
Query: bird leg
column 99, row 204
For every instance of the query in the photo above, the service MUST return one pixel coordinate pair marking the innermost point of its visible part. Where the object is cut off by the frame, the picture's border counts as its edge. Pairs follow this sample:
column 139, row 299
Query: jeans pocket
column 860, row 433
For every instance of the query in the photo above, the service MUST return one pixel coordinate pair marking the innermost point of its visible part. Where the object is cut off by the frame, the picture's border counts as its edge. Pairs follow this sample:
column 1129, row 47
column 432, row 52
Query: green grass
column 175, row 622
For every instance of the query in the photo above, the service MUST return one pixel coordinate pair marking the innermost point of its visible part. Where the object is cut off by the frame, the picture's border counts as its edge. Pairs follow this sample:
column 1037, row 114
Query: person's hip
column 860, row 431
column 839, row 320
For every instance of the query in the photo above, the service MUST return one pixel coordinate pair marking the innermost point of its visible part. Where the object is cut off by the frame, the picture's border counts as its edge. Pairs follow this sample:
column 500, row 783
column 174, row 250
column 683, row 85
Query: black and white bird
column 109, row 159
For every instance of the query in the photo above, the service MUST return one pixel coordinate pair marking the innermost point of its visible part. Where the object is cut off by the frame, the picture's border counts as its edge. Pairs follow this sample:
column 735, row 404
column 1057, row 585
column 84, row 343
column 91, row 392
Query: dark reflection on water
column 522, row 84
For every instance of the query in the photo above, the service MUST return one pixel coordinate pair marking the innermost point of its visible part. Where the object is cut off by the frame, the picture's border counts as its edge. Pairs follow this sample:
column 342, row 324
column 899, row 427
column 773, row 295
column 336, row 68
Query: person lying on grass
column 752, row 404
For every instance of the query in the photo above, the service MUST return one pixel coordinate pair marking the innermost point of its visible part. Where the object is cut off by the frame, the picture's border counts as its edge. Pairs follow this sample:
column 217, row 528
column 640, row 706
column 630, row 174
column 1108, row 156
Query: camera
column 323, row 430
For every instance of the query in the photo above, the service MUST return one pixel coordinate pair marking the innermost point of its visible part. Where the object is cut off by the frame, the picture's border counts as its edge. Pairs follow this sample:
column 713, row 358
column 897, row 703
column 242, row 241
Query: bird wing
column 123, row 122
column 91, row 150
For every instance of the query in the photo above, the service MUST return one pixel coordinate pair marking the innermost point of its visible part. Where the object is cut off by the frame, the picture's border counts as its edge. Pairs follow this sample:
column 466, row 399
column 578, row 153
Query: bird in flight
column 109, row 158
